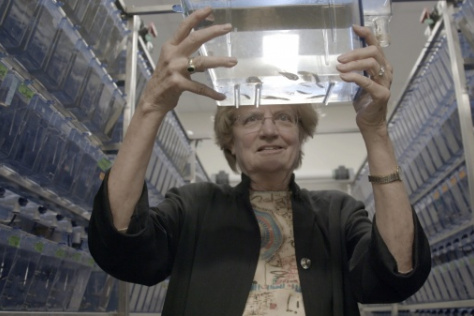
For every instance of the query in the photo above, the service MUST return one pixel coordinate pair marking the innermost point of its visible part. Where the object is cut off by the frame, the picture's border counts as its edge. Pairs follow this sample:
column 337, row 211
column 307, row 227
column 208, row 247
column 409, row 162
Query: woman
column 264, row 247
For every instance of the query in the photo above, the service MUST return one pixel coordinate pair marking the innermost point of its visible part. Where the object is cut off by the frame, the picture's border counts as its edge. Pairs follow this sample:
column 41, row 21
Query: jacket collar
column 244, row 186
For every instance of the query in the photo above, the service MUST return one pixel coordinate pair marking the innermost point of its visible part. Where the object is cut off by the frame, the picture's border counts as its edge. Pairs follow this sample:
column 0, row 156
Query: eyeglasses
column 252, row 122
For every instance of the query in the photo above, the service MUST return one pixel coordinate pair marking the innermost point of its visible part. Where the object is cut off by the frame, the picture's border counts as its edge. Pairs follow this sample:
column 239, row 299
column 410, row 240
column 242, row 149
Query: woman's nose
column 268, row 127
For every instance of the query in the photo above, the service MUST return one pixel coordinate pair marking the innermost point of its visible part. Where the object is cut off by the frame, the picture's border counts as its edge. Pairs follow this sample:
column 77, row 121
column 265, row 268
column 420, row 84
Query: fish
column 253, row 79
column 289, row 75
column 316, row 96
column 307, row 76
column 303, row 92
column 272, row 97
column 245, row 95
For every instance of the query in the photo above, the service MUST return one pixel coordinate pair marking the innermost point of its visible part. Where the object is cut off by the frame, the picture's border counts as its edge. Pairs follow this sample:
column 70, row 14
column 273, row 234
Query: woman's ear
column 231, row 149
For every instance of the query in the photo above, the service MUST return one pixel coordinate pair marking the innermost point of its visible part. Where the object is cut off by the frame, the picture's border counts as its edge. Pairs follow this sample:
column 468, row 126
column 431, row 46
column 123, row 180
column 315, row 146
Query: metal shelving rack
column 446, row 25
column 135, row 47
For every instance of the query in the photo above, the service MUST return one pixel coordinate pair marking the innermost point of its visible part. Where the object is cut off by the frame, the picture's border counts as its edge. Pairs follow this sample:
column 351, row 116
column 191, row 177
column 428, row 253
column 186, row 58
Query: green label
column 14, row 241
column 60, row 253
column 39, row 246
column 104, row 164
column 3, row 71
column 76, row 256
column 25, row 91
column 90, row 262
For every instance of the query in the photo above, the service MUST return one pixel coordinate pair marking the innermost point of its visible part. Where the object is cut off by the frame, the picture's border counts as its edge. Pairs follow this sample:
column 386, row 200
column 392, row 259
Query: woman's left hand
column 371, row 104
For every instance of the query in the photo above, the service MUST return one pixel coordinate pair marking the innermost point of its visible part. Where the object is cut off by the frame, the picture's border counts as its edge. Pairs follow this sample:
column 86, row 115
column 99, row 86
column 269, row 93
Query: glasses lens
column 284, row 119
column 254, row 121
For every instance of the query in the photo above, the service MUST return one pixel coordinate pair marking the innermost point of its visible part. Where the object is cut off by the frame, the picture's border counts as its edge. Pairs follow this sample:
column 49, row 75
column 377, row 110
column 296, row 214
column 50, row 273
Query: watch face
column 400, row 173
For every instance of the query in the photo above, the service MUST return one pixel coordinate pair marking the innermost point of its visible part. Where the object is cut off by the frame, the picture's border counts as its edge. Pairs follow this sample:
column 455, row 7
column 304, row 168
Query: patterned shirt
column 276, row 287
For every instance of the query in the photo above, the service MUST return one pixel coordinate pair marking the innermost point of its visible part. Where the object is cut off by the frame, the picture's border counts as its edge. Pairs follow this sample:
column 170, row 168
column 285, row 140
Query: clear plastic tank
column 86, row 263
column 69, row 164
column 15, row 95
column 87, row 175
column 43, row 277
column 29, row 143
column 16, row 23
column 377, row 14
column 9, row 244
column 56, row 68
column 65, row 279
column 54, row 146
column 94, row 20
column 70, row 89
column 287, row 50
column 21, row 272
column 36, row 48
column 99, row 292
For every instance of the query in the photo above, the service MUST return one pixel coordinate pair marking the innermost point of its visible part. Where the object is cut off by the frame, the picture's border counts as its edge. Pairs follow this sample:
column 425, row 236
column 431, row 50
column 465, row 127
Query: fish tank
column 286, row 49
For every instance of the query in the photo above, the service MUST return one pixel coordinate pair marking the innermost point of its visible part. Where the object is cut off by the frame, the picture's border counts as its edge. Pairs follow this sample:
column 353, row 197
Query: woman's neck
column 272, row 182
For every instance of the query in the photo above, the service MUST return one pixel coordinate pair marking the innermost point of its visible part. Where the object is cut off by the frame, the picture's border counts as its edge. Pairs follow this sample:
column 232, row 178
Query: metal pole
column 462, row 96
column 130, row 88
column 123, row 308
column 131, row 72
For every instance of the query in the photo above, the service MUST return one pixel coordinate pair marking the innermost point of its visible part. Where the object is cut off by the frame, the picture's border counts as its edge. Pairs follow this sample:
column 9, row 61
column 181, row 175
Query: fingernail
column 343, row 76
column 227, row 27
column 232, row 60
column 356, row 26
column 342, row 58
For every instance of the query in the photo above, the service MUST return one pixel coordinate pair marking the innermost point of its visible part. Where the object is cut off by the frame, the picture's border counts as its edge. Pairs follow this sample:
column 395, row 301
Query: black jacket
column 206, row 237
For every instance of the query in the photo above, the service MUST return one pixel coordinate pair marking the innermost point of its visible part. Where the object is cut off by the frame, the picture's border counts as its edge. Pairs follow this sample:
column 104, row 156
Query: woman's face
column 266, row 139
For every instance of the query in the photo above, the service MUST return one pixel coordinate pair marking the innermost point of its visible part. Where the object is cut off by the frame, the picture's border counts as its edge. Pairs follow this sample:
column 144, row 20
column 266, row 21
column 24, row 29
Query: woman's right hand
column 171, row 78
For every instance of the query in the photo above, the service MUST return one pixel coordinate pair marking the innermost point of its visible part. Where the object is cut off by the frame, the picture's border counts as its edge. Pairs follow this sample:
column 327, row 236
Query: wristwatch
column 396, row 176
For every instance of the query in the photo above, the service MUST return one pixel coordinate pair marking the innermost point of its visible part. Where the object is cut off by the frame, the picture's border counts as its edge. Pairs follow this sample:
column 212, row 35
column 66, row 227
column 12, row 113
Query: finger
column 378, row 92
column 195, row 39
column 372, row 49
column 363, row 53
column 202, row 89
column 370, row 65
column 189, row 23
column 203, row 63
column 366, row 33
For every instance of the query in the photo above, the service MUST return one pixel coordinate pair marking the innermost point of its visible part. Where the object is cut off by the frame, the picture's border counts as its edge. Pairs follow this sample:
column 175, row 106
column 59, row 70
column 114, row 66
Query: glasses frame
column 258, row 127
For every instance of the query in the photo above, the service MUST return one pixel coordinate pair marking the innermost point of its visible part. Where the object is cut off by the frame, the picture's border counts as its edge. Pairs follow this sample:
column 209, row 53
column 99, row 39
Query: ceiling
column 337, row 141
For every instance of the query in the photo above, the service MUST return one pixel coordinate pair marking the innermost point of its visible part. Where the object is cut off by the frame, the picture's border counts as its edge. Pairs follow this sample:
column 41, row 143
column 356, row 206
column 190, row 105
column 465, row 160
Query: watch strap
column 395, row 176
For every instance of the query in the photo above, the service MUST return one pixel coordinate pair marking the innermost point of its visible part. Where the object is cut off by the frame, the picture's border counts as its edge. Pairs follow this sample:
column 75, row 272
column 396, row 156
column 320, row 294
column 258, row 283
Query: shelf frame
column 462, row 95
column 395, row 308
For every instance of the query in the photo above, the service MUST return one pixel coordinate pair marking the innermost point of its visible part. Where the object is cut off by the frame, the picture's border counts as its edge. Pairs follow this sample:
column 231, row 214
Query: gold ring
column 191, row 68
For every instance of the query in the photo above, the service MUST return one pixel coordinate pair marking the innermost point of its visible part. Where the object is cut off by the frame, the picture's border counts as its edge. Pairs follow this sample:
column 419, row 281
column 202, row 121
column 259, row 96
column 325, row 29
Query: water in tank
column 287, row 50
column 9, row 244
column 66, row 279
column 23, row 265
column 29, row 143
column 43, row 277
column 100, row 292
column 15, row 95
column 16, row 23
column 54, row 147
